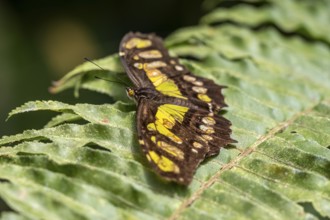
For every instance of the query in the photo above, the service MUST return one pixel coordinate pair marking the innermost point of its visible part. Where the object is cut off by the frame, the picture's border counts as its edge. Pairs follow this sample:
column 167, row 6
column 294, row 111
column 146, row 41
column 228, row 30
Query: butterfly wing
column 149, row 65
column 131, row 47
column 176, row 139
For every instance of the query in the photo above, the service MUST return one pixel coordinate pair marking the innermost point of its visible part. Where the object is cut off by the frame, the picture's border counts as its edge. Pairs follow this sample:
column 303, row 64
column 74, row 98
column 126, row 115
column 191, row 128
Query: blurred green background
column 40, row 41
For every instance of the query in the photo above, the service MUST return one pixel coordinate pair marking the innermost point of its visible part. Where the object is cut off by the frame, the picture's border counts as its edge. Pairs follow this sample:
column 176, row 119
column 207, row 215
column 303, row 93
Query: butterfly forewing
column 177, row 120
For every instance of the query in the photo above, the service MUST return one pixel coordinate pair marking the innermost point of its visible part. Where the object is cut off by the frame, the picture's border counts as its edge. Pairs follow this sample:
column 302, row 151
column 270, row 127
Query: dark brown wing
column 196, row 136
column 144, row 58
column 131, row 46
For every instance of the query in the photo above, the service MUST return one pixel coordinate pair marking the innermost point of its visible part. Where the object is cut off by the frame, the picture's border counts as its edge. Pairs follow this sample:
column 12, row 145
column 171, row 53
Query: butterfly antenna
column 87, row 59
column 119, row 80
column 108, row 80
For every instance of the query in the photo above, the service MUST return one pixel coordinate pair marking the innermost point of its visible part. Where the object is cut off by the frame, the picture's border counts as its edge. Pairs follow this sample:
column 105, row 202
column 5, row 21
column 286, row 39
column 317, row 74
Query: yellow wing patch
column 166, row 117
column 160, row 80
column 138, row 43
column 163, row 162
column 170, row 88
column 156, row 77
column 171, row 112
column 204, row 97
column 171, row 149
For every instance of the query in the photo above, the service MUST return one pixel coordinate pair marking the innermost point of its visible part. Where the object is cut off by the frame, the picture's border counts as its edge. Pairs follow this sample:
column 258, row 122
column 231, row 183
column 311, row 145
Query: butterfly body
column 177, row 121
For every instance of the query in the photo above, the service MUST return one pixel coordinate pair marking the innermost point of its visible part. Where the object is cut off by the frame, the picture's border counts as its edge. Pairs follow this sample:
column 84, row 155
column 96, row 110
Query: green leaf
column 296, row 17
column 84, row 75
column 86, row 162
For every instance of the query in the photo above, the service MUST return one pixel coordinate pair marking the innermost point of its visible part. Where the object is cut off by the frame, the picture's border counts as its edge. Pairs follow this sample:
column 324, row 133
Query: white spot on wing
column 155, row 64
column 207, row 137
column 193, row 150
column 197, row 145
column 208, row 121
column 150, row 54
column 138, row 65
column 200, row 90
column 206, row 129
column 189, row 78
column 178, row 68
column 198, row 83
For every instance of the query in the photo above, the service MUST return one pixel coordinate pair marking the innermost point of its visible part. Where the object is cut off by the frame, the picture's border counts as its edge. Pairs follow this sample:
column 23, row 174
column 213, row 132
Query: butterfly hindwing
column 167, row 142
column 210, row 128
column 177, row 121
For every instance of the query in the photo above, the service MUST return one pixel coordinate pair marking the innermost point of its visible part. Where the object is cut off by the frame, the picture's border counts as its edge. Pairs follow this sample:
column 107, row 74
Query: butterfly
column 177, row 121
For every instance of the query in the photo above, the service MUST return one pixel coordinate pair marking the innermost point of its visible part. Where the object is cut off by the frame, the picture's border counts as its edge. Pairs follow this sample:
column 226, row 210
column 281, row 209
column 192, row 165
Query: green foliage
column 278, row 85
